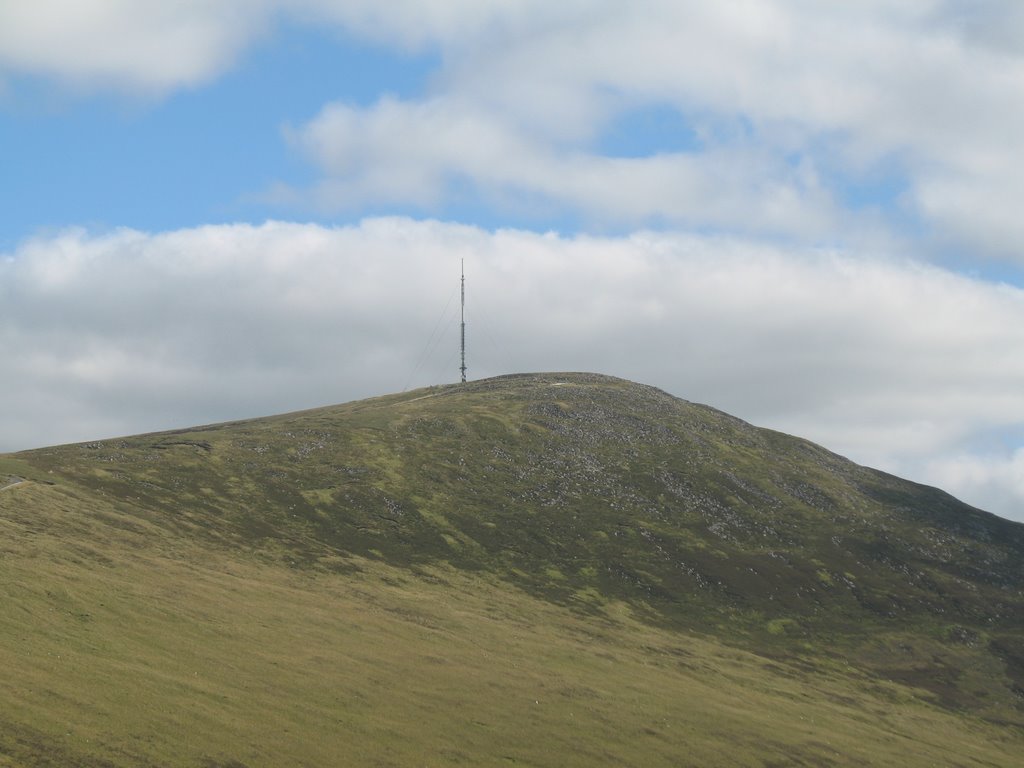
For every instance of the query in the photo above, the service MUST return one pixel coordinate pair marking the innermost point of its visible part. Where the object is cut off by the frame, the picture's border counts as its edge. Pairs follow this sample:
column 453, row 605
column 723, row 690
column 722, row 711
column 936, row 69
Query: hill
column 557, row 569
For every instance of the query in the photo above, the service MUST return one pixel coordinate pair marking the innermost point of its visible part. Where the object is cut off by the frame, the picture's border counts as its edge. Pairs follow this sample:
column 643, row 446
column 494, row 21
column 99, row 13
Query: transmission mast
column 462, row 367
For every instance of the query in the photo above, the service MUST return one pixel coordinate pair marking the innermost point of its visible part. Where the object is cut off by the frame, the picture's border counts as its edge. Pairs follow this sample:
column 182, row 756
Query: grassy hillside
column 533, row 570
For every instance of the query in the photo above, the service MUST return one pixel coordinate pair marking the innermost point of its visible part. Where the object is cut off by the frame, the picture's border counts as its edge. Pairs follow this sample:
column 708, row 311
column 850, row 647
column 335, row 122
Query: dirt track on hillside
column 13, row 482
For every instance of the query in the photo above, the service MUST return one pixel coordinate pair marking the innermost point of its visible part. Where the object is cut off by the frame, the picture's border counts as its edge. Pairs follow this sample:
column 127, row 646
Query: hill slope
column 538, row 569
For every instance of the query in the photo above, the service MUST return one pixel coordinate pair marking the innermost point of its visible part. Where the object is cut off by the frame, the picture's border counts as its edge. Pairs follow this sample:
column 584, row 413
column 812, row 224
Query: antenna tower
column 462, row 367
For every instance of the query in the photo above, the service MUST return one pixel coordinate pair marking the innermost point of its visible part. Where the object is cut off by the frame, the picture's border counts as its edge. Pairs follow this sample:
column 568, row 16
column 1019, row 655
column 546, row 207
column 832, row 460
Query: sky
column 805, row 213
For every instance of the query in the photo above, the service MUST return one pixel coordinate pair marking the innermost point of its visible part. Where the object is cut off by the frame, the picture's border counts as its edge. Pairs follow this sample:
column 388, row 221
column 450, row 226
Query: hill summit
column 600, row 501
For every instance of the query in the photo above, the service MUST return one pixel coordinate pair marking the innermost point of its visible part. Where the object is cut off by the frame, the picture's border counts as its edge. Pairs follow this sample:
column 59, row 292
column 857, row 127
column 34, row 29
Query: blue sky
column 106, row 157
column 809, row 213
column 193, row 156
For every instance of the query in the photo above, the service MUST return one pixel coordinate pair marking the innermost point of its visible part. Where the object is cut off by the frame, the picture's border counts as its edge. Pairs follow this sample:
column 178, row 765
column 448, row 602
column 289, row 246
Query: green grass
column 118, row 652
column 506, row 573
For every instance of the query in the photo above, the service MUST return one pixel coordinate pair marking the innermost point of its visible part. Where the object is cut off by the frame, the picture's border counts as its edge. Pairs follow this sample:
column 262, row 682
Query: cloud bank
column 837, row 123
column 899, row 365
column 796, row 108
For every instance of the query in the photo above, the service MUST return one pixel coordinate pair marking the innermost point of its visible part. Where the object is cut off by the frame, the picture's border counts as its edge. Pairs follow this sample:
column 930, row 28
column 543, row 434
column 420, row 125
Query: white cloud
column 898, row 365
column 792, row 100
column 992, row 481
column 414, row 24
column 161, row 46
column 978, row 207
column 124, row 44
column 416, row 152
column 994, row 24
